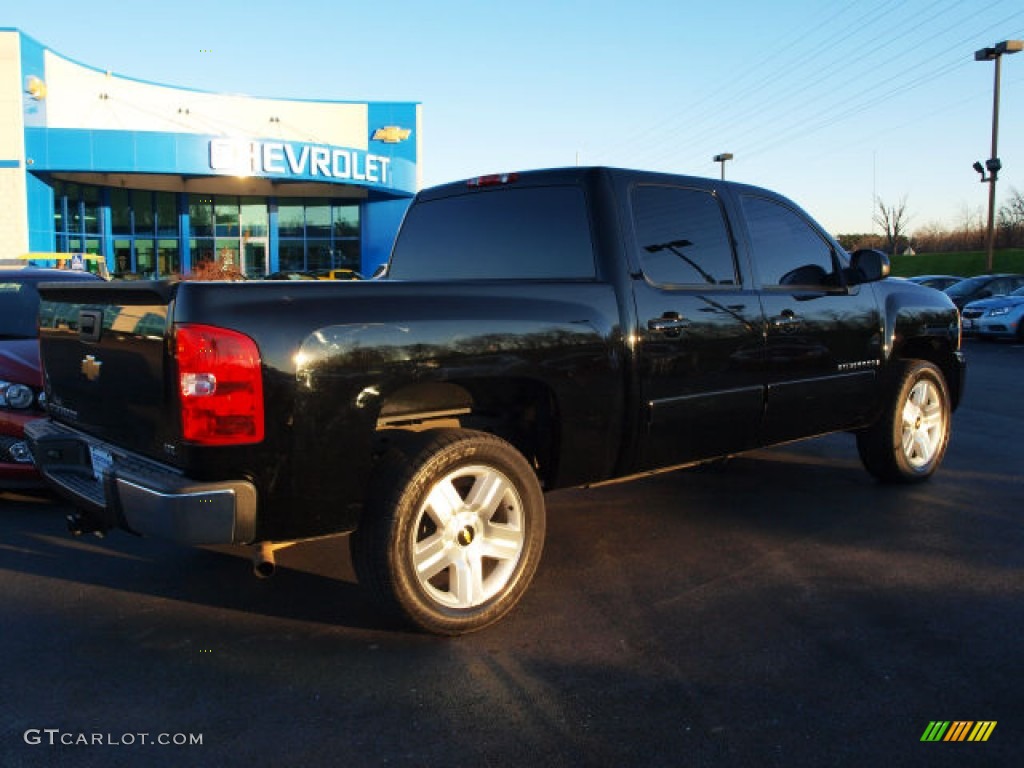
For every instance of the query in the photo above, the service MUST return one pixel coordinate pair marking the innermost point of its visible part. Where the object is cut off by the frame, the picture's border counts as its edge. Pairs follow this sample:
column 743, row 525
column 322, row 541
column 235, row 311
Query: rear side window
column 530, row 233
column 681, row 237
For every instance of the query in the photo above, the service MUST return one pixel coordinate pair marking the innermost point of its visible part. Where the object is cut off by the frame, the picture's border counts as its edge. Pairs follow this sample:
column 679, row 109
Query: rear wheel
column 454, row 533
column 908, row 441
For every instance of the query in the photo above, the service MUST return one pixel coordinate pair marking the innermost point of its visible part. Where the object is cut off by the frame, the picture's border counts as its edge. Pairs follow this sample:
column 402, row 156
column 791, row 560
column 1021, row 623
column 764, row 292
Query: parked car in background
column 21, row 379
column 76, row 262
column 938, row 282
column 998, row 317
column 289, row 275
column 983, row 287
column 337, row 274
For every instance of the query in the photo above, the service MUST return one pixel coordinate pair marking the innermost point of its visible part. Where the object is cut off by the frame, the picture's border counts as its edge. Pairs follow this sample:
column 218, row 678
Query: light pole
column 992, row 164
column 721, row 159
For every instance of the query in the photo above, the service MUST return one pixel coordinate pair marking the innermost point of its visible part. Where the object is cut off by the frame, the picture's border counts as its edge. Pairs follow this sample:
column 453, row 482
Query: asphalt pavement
column 781, row 609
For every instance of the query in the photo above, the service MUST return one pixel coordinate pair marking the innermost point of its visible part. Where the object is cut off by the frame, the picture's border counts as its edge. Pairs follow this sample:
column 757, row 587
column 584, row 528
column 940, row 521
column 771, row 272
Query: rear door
column 823, row 338
column 700, row 328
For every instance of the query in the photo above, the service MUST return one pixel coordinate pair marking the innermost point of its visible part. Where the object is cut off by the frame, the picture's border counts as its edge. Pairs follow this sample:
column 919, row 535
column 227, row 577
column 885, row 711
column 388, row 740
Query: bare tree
column 893, row 220
column 1011, row 219
column 971, row 227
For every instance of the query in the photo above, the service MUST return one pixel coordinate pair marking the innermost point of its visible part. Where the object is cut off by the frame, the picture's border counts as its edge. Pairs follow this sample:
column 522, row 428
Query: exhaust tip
column 264, row 569
column 263, row 563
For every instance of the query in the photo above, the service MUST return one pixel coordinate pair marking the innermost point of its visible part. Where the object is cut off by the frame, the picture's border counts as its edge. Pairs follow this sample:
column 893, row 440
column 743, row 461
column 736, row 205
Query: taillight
column 220, row 386
column 493, row 180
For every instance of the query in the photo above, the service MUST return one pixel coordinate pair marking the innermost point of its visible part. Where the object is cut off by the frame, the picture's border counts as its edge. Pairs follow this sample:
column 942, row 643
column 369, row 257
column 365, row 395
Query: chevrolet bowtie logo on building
column 91, row 367
column 391, row 134
column 959, row 730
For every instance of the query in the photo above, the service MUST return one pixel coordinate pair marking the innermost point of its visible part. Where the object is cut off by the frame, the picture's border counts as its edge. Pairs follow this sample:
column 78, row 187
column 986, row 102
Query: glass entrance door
column 254, row 257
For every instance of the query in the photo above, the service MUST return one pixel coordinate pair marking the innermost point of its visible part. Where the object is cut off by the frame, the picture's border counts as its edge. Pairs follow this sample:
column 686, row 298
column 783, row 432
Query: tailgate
column 104, row 351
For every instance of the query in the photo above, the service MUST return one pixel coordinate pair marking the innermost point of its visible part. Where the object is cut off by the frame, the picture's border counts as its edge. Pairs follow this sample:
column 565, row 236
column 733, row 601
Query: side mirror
column 868, row 265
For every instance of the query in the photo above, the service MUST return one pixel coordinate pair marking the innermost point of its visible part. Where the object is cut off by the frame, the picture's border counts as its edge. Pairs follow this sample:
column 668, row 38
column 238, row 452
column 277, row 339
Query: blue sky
column 831, row 103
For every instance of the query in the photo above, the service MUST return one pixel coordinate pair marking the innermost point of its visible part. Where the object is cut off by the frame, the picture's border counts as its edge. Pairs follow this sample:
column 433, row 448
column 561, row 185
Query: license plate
column 968, row 323
column 102, row 461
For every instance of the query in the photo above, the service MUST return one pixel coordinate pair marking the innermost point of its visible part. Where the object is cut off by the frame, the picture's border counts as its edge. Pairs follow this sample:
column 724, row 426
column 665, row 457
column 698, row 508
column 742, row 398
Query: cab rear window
column 528, row 233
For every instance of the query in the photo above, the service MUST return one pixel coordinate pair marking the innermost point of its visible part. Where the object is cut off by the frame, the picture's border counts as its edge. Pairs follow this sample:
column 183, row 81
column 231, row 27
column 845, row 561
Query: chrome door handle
column 668, row 323
column 787, row 319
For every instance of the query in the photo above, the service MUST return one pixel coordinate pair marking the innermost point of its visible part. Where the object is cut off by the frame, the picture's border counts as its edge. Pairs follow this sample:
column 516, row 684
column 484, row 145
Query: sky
column 834, row 103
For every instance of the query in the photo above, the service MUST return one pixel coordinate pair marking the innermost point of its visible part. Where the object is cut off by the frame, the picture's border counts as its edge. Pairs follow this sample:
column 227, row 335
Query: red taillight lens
column 493, row 180
column 220, row 386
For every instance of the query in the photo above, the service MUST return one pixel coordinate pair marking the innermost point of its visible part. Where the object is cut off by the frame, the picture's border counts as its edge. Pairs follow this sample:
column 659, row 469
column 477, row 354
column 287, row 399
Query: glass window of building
column 318, row 254
column 59, row 200
column 91, row 209
column 346, row 221
column 168, row 257
column 291, row 221
column 254, row 218
column 74, row 206
column 291, row 256
column 122, row 257
column 226, row 215
column 200, row 252
column 316, row 234
column 166, row 214
column 200, row 212
column 142, row 213
column 145, row 258
column 120, row 211
column 318, row 218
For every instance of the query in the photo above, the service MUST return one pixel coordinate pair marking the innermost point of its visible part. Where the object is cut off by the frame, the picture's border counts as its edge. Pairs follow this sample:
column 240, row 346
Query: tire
column 453, row 533
column 908, row 441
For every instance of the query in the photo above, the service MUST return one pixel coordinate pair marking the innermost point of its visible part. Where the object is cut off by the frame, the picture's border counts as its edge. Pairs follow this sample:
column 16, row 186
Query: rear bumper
column 139, row 495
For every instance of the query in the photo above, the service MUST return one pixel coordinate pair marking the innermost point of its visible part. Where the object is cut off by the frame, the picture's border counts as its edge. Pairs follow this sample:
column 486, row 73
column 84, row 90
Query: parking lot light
column 993, row 164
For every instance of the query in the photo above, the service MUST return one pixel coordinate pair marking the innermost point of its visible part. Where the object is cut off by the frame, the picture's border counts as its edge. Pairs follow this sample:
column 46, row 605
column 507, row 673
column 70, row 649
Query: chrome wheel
column 453, row 531
column 469, row 537
column 908, row 440
column 924, row 423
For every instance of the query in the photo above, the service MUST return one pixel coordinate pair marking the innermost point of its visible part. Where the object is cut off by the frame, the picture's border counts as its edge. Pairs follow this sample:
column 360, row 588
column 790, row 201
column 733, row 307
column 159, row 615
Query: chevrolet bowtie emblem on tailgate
column 91, row 367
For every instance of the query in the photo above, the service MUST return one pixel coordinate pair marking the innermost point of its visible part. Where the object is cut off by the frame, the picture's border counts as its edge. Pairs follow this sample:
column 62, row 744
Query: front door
column 701, row 344
column 823, row 338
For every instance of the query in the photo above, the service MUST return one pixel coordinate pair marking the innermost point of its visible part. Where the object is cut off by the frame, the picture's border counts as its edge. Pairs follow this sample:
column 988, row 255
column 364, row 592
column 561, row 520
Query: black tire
column 908, row 441
column 453, row 533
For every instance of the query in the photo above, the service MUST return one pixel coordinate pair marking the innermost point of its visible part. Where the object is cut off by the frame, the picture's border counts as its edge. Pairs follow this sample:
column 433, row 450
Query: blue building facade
column 165, row 181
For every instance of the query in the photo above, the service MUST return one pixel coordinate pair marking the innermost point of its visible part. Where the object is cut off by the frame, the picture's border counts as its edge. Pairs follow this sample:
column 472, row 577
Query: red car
column 21, row 380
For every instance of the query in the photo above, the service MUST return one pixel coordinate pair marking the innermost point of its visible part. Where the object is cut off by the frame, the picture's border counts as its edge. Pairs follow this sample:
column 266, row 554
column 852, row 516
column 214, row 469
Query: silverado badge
column 91, row 367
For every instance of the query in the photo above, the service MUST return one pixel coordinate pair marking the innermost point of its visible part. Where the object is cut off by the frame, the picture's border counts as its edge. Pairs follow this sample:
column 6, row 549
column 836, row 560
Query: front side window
column 787, row 250
column 681, row 237
column 525, row 233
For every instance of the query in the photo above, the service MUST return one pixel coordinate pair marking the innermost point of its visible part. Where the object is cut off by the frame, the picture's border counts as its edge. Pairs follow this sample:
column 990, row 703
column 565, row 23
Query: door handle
column 787, row 319
column 671, row 323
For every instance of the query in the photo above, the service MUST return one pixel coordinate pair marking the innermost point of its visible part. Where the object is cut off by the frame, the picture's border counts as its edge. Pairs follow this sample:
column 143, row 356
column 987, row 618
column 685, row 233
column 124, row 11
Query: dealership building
column 163, row 181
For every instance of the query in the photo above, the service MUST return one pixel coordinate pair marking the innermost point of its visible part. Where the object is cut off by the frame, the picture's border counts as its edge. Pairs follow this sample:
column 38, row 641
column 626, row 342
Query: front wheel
column 907, row 442
column 453, row 534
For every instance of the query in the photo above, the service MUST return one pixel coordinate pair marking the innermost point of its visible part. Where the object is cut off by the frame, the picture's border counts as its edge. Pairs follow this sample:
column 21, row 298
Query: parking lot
column 781, row 609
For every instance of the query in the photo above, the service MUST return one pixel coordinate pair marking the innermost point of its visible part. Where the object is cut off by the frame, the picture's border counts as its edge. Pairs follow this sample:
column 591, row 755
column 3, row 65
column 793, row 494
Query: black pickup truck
column 532, row 331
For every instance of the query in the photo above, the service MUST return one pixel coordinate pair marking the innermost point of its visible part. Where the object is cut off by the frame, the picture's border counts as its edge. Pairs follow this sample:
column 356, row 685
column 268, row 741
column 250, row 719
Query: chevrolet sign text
column 281, row 158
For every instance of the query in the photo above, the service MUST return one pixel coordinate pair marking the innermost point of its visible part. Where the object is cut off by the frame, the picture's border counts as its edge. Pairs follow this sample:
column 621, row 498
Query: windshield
column 19, row 305
column 966, row 287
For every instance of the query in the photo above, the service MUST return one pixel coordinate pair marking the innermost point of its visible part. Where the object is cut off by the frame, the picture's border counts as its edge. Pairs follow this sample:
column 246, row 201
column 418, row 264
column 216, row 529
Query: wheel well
column 939, row 354
column 522, row 412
